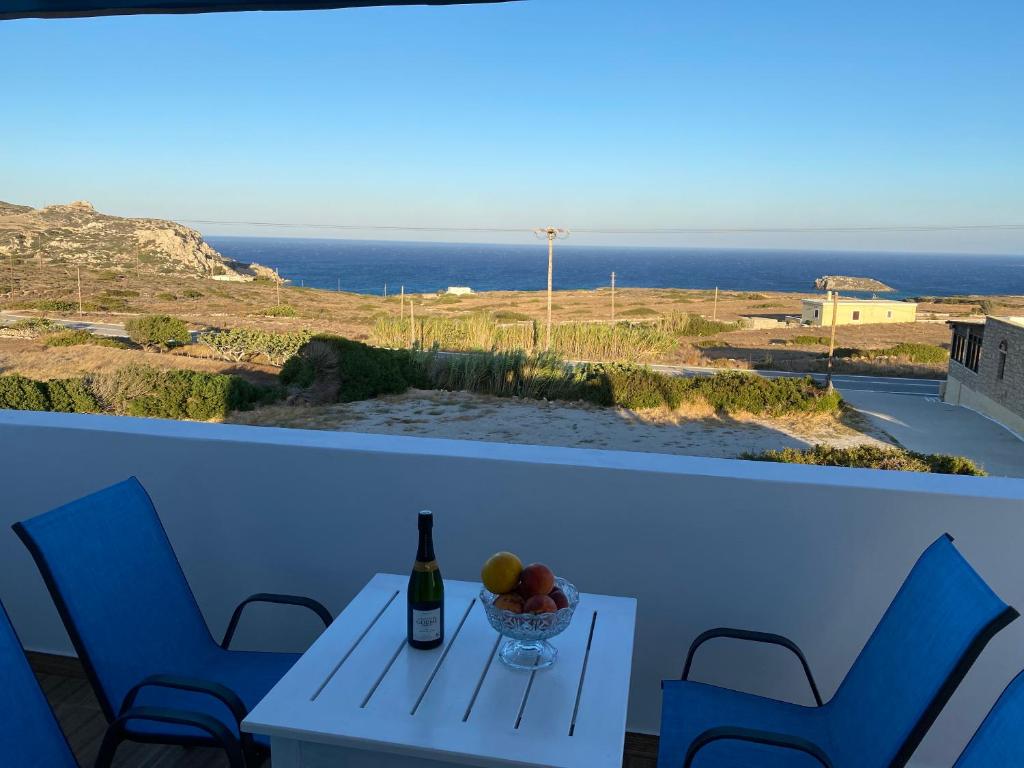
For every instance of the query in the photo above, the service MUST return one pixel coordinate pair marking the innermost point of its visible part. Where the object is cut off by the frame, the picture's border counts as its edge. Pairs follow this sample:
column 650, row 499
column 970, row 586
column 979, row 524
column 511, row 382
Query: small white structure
column 459, row 290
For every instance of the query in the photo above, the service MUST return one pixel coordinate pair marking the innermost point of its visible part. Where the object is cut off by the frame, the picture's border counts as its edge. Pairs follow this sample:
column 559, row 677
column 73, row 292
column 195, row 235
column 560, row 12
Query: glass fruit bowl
column 527, row 634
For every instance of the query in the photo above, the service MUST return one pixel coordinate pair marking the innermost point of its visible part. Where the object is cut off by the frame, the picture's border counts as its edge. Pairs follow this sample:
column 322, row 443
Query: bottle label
column 426, row 625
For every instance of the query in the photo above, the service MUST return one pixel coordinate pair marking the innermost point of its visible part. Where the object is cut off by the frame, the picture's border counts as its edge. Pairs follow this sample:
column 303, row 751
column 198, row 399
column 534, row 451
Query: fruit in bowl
column 528, row 606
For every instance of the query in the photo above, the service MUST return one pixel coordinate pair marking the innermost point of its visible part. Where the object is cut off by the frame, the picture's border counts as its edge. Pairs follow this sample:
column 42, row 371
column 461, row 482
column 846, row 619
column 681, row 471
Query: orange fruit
column 500, row 573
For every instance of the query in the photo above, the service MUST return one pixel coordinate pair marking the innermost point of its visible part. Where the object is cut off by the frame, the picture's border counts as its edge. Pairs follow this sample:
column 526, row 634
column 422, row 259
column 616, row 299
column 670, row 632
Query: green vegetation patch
column 159, row 332
column 872, row 457
column 638, row 312
column 73, row 338
column 810, row 340
column 913, row 352
column 246, row 344
column 281, row 310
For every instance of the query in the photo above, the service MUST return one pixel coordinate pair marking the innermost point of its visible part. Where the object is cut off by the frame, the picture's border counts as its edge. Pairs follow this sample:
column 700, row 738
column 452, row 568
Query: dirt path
column 466, row 416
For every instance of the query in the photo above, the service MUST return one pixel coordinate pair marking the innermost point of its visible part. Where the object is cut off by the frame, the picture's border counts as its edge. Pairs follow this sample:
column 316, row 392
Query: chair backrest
column 119, row 588
column 29, row 734
column 1000, row 738
column 931, row 634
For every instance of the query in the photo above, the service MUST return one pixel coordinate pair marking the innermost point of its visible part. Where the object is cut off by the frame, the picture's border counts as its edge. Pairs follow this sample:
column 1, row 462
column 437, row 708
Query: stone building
column 818, row 312
column 986, row 368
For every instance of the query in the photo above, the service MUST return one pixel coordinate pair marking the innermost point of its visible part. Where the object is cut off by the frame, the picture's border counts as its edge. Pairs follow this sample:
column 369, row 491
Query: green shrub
column 72, row 396
column 510, row 316
column 31, row 328
column 695, row 325
column 242, row 344
column 357, row 370
column 125, row 293
column 21, row 394
column 638, row 312
column 167, row 296
column 157, row 331
column 733, row 392
column 180, row 394
column 872, row 457
column 810, row 340
column 192, row 293
column 281, row 310
column 53, row 305
column 72, row 338
column 910, row 351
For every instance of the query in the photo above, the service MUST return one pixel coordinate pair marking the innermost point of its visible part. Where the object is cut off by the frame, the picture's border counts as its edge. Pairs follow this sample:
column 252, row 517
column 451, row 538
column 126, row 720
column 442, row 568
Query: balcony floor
column 80, row 716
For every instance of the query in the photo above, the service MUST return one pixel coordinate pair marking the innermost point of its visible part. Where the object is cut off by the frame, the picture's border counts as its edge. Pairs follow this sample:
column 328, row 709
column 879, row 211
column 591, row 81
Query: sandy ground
column 466, row 416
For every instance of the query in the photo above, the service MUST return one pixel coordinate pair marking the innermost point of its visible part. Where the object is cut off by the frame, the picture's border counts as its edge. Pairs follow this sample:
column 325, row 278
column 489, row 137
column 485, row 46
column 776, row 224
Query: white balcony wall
column 813, row 553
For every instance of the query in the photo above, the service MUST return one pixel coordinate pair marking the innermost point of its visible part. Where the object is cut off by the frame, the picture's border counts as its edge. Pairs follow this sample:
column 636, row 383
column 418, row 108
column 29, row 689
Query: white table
column 361, row 697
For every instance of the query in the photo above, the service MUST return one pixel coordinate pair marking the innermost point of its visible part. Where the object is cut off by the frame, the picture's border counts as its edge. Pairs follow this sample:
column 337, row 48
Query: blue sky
column 583, row 113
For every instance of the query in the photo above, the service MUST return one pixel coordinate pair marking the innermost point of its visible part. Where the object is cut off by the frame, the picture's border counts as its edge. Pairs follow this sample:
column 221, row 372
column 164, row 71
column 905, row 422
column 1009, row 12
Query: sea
column 373, row 267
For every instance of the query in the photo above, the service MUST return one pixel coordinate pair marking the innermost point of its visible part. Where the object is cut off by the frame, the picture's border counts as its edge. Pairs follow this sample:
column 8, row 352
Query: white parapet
column 811, row 552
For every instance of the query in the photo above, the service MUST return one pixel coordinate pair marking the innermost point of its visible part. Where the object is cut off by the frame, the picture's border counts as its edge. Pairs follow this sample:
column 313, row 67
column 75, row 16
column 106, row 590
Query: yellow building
column 857, row 311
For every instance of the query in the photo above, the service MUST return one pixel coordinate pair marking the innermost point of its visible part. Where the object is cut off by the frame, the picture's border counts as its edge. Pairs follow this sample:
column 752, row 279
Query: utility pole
column 832, row 338
column 277, row 283
column 79, row 270
column 551, row 233
column 385, row 290
column 339, row 285
column 12, row 274
column 412, row 324
column 613, row 298
column 401, row 304
column 714, row 312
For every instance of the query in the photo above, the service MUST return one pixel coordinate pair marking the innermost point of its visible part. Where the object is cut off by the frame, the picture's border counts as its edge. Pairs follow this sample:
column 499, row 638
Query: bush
column 31, row 328
column 72, row 338
column 910, row 351
column 181, row 394
column 872, row 457
column 167, row 296
column 695, row 325
column 242, row 344
column 281, row 310
column 54, row 305
column 349, row 370
column 72, row 396
column 734, row 392
column 638, row 312
column 192, row 293
column 810, row 340
column 21, row 394
column 158, row 331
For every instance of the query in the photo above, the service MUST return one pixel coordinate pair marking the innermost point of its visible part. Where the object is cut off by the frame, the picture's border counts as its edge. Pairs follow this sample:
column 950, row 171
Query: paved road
column 844, row 383
column 929, row 426
column 115, row 330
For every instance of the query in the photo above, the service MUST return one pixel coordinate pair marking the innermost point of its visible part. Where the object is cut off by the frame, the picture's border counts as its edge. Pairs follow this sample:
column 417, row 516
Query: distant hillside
column 77, row 233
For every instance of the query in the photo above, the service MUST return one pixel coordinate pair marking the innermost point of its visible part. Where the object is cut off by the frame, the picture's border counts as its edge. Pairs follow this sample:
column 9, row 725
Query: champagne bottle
column 425, row 626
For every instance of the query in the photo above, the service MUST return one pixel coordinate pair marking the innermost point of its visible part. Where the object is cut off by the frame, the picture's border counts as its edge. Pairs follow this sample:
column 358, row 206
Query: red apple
column 559, row 598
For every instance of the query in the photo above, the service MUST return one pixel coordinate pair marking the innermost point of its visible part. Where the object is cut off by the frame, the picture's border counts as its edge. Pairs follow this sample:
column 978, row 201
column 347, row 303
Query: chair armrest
column 267, row 597
column 117, row 731
column 766, row 738
column 222, row 693
column 755, row 637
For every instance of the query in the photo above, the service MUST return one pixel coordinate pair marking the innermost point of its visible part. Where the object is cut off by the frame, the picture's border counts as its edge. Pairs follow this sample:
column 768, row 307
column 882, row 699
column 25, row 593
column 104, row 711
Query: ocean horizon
column 366, row 266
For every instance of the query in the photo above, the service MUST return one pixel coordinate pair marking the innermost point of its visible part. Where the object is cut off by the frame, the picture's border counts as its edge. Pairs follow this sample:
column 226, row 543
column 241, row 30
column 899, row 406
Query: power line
column 623, row 230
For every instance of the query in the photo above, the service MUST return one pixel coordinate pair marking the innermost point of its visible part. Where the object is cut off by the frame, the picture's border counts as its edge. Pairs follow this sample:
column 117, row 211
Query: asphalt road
column 844, row 383
column 115, row 330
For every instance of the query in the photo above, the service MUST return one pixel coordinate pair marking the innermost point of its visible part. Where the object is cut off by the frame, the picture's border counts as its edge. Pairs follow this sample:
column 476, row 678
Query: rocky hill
column 77, row 233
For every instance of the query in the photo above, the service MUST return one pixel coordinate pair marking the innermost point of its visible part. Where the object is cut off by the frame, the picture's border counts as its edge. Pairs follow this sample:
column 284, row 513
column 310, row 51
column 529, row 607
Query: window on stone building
column 1003, row 349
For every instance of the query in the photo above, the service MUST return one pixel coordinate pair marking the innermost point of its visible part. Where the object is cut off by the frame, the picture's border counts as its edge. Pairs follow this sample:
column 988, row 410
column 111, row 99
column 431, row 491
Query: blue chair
column 931, row 634
column 29, row 733
column 1000, row 738
column 138, row 631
